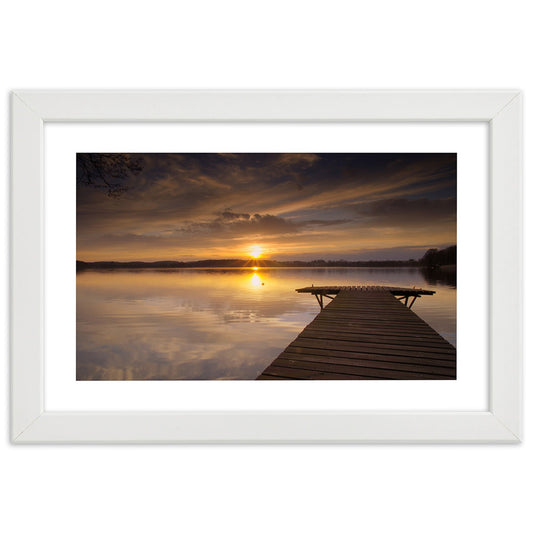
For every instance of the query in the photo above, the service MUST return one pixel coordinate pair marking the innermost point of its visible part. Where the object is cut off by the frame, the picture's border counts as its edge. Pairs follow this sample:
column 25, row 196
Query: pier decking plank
column 365, row 333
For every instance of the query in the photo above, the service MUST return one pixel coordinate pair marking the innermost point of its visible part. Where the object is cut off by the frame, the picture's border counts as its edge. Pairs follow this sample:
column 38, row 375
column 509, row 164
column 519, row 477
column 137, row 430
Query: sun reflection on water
column 256, row 280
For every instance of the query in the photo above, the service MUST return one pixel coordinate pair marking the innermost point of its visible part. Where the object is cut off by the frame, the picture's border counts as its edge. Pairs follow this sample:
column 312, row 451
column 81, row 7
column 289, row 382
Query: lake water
column 218, row 323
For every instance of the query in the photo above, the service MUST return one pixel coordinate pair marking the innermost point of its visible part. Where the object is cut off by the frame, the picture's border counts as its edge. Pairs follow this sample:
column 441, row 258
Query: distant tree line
column 432, row 259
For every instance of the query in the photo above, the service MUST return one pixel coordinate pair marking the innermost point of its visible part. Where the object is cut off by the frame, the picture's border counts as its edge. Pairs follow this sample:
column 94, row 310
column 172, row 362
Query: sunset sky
column 280, row 206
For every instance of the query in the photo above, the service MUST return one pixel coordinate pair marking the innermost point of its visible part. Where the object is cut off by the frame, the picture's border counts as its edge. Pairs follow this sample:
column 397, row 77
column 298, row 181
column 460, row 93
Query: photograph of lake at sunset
column 269, row 266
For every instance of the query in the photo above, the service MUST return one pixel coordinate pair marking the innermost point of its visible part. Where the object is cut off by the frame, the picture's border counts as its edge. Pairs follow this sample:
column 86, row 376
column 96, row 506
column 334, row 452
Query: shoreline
column 123, row 266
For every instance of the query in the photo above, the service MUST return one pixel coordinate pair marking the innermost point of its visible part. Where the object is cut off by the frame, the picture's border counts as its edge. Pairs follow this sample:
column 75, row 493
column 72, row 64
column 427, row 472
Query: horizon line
column 251, row 260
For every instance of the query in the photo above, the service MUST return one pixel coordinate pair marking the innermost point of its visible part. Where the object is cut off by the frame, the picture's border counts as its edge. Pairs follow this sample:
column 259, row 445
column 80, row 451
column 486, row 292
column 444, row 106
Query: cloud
column 229, row 215
column 297, row 161
column 310, row 223
column 213, row 205
column 241, row 224
column 406, row 211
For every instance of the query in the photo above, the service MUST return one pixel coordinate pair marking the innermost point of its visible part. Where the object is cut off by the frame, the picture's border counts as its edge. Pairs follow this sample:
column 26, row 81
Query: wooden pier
column 367, row 332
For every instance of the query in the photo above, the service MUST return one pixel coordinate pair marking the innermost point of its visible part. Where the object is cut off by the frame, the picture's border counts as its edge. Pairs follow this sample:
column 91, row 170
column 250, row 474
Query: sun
column 256, row 252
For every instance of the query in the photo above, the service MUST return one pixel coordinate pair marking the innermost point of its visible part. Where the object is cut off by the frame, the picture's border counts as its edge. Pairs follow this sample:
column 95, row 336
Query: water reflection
column 446, row 275
column 256, row 280
column 214, row 323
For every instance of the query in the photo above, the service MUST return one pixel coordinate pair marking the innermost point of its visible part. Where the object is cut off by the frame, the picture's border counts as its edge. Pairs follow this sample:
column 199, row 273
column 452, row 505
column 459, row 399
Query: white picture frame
column 501, row 423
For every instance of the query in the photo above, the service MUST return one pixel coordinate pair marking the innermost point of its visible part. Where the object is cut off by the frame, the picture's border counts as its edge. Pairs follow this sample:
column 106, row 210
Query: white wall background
column 275, row 44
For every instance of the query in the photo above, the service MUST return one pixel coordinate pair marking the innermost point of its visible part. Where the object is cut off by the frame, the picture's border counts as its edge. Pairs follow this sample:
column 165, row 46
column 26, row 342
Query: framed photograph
column 266, row 267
